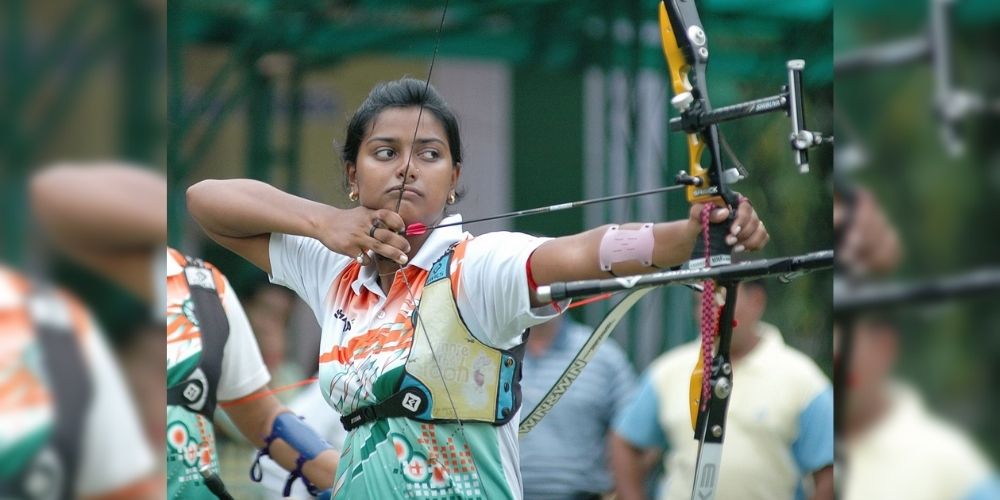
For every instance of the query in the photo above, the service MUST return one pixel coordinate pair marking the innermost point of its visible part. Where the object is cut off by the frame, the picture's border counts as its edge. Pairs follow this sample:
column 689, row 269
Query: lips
column 406, row 189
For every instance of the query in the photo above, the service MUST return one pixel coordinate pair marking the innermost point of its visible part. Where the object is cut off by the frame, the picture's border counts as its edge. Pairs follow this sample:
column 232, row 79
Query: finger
column 745, row 223
column 719, row 214
column 744, row 213
column 755, row 240
column 392, row 238
column 388, row 251
column 360, row 255
column 720, row 296
column 390, row 220
column 743, row 231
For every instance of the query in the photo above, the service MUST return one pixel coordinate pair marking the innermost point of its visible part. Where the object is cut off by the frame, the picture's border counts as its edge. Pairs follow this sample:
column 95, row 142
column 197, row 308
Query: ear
column 351, row 169
column 456, row 172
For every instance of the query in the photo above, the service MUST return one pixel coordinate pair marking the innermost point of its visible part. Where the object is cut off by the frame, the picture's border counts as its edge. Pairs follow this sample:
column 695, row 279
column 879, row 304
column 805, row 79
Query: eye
column 430, row 155
column 385, row 154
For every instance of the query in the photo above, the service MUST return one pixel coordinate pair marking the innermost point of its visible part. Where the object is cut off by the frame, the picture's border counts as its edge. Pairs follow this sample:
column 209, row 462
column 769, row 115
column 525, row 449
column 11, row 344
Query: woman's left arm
column 578, row 256
column 256, row 418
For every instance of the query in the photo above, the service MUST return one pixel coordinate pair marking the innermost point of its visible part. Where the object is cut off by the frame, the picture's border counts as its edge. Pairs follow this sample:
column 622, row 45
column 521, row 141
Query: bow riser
column 686, row 50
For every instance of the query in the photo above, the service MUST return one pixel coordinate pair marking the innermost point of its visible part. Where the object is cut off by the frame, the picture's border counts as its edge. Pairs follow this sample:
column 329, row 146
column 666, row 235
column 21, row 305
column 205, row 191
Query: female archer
column 422, row 332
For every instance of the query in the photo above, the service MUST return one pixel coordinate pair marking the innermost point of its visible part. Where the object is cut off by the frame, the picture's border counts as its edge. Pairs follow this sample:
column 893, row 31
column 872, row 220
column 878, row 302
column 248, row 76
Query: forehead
column 402, row 122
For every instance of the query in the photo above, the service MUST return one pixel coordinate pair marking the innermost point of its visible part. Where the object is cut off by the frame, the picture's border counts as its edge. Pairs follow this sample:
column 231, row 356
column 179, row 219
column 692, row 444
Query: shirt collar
column 433, row 248
column 770, row 339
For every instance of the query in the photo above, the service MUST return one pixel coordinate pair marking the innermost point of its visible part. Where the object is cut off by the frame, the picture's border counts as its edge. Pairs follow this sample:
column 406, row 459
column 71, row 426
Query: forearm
column 320, row 471
column 577, row 257
column 255, row 419
column 111, row 208
column 242, row 208
column 628, row 468
column 823, row 482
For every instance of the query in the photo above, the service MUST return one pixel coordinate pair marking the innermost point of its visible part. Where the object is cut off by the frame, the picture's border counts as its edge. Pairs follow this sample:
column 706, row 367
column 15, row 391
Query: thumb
column 719, row 214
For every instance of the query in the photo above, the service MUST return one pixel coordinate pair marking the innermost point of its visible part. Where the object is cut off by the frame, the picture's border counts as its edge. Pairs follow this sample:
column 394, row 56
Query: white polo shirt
column 780, row 421
column 912, row 455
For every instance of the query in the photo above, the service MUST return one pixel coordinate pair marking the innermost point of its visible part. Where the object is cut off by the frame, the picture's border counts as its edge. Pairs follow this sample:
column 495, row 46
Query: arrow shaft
column 563, row 206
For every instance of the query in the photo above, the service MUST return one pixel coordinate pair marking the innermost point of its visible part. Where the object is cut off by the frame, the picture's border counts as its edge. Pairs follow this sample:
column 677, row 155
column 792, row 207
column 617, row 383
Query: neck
column 864, row 415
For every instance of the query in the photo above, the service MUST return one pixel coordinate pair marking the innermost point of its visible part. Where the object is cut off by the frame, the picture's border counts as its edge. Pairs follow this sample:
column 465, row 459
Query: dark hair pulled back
column 401, row 93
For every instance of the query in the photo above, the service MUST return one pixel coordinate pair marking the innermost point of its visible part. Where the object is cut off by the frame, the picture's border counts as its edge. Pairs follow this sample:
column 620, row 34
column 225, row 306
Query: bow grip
column 719, row 252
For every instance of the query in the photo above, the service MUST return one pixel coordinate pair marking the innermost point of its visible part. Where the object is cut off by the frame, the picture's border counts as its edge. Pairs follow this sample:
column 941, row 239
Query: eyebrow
column 393, row 140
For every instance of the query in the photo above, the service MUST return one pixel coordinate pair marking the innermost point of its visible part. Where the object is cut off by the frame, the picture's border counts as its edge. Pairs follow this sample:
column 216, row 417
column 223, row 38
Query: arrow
column 418, row 228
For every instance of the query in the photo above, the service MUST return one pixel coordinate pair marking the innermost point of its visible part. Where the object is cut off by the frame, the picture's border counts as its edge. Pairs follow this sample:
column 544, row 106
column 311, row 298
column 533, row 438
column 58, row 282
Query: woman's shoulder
column 503, row 240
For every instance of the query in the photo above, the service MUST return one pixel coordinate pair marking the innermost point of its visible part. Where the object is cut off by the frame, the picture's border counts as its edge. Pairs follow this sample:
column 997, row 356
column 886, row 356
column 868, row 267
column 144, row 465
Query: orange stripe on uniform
column 364, row 345
column 456, row 263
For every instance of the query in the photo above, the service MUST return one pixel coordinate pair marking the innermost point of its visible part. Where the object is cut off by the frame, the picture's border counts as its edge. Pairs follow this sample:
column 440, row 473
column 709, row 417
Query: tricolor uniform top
column 190, row 436
column 366, row 339
column 113, row 452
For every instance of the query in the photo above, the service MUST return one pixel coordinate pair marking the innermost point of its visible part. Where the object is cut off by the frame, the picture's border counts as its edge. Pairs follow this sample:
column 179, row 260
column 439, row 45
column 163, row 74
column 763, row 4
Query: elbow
column 197, row 196
column 51, row 196
column 43, row 188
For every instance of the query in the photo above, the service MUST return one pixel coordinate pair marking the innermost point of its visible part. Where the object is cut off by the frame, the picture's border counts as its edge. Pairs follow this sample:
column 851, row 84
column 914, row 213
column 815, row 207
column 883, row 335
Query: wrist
column 676, row 240
column 318, row 217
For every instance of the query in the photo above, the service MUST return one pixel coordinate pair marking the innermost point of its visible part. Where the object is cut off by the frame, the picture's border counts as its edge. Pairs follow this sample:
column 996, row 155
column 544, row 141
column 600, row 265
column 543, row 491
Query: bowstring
column 402, row 273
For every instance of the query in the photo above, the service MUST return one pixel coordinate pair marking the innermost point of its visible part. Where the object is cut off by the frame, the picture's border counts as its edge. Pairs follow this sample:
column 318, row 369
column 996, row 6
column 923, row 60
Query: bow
column 685, row 47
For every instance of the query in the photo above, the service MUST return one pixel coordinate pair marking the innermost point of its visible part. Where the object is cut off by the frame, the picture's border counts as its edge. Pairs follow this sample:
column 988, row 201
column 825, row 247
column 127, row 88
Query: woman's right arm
column 241, row 214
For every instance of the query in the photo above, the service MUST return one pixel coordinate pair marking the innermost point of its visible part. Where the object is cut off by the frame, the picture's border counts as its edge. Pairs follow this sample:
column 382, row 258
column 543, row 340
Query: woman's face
column 378, row 173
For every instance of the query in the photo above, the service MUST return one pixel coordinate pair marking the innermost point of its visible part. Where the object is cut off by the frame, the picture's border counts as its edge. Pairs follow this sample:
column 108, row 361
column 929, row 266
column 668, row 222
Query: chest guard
column 191, row 401
column 197, row 391
column 460, row 378
column 50, row 472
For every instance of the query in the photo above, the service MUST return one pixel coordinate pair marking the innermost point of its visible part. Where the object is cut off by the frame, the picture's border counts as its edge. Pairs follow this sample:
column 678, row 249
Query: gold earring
column 451, row 198
column 353, row 196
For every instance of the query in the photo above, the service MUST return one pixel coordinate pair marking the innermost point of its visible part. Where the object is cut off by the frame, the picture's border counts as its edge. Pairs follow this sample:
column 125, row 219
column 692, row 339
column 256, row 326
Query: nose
column 407, row 169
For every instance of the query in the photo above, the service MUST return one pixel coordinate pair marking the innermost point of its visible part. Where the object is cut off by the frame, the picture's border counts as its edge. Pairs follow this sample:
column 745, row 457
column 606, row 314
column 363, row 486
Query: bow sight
column 695, row 118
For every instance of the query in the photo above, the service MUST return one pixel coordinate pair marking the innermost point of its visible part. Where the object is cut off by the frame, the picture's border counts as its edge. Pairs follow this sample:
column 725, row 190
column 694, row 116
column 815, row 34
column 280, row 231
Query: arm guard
column 302, row 438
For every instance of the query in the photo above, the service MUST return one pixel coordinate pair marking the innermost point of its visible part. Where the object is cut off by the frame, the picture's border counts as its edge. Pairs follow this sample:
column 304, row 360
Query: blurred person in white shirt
column 895, row 447
column 779, row 443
